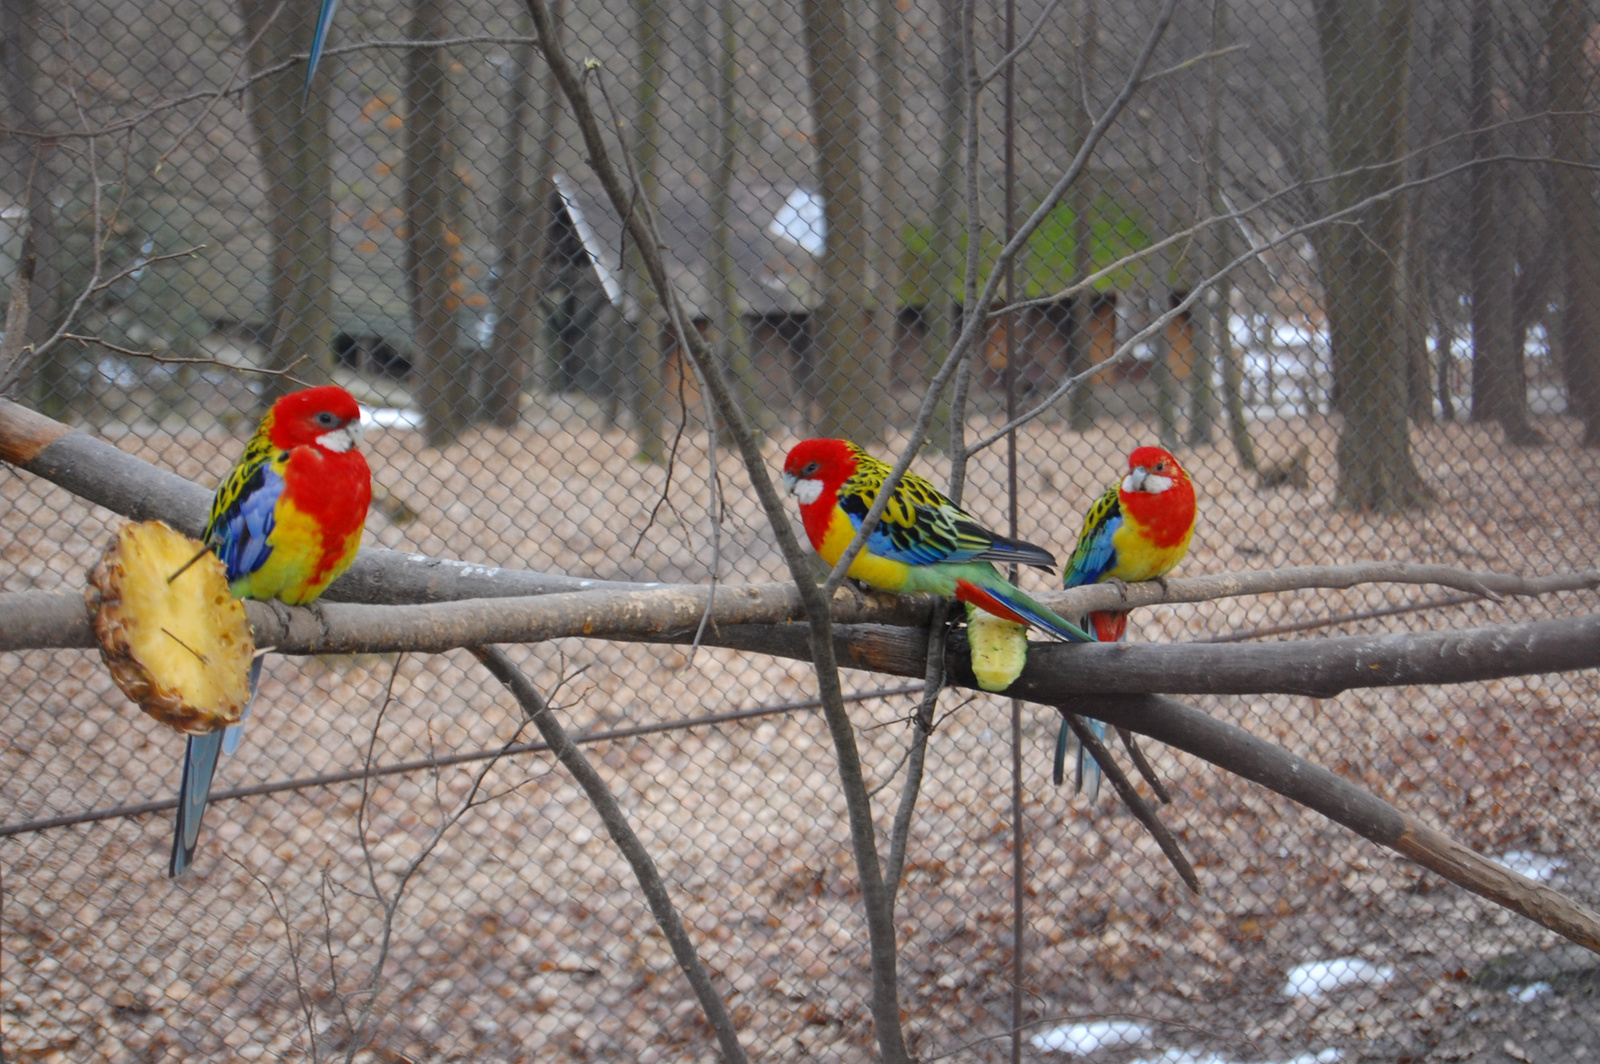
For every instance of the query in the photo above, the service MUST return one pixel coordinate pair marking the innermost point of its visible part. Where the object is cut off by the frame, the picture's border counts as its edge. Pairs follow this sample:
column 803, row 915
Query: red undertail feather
column 966, row 591
column 1109, row 625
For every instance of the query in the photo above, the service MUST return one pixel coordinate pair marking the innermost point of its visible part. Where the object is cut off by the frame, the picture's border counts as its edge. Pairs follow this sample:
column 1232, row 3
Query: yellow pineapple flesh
column 180, row 648
column 999, row 649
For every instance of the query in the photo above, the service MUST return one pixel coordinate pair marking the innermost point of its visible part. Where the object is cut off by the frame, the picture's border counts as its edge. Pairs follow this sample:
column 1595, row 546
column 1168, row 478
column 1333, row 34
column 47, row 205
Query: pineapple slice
column 181, row 650
column 999, row 649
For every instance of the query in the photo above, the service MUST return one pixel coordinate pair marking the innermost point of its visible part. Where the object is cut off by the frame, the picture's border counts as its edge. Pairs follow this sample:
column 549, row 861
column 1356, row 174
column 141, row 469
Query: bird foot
column 1121, row 586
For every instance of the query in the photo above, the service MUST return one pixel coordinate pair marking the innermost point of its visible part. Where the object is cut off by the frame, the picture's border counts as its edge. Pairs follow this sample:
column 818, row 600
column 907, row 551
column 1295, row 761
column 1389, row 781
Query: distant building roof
column 771, row 231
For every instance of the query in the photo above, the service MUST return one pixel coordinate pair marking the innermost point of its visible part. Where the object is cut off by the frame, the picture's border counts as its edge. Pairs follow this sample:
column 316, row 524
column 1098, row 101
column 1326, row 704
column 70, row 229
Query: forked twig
column 537, row 712
column 1131, row 798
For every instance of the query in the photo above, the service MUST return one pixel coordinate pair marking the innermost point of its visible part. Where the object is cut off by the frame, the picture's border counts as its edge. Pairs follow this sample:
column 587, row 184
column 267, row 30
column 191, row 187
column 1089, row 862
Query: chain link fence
column 1339, row 256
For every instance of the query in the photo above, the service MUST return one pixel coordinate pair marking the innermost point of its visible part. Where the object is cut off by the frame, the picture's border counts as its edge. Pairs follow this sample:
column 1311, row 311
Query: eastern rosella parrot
column 1137, row 530
column 285, row 523
column 924, row 543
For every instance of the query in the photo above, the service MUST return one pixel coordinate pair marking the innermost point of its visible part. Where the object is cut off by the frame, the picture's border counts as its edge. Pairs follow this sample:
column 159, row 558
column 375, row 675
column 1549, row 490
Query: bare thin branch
column 655, row 891
column 1133, row 800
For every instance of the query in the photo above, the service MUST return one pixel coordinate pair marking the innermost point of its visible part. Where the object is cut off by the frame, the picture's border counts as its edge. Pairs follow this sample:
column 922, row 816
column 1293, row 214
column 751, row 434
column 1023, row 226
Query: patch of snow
column 1536, row 866
column 1531, row 992
column 1189, row 1056
column 1318, row 978
column 387, row 417
column 1083, row 1038
column 799, row 221
column 117, row 372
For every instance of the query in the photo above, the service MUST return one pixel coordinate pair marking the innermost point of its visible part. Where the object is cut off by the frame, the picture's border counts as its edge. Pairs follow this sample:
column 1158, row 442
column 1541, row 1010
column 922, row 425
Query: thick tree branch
column 1336, row 798
column 751, row 619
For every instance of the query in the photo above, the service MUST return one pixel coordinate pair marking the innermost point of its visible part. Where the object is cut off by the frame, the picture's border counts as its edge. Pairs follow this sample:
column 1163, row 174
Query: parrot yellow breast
column 297, row 568
column 885, row 574
column 1138, row 558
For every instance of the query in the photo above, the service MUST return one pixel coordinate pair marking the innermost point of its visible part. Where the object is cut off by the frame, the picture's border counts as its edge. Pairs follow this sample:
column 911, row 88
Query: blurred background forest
column 426, row 225
column 1343, row 256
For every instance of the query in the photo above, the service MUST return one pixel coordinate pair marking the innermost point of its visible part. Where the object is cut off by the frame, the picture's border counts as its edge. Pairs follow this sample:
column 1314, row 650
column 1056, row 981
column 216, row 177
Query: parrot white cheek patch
column 338, row 441
column 1149, row 483
column 808, row 491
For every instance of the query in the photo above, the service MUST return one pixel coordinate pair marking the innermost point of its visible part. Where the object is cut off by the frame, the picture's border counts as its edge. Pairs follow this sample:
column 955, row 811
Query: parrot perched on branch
column 925, row 542
column 1137, row 530
column 285, row 524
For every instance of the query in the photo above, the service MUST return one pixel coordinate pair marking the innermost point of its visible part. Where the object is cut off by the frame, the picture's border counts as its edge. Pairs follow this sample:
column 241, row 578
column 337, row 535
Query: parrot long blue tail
column 319, row 41
column 1088, row 769
column 200, row 758
column 199, row 765
column 232, row 734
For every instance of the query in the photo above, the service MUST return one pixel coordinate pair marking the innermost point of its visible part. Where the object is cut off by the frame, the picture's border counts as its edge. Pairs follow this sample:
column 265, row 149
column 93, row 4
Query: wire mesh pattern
column 1337, row 256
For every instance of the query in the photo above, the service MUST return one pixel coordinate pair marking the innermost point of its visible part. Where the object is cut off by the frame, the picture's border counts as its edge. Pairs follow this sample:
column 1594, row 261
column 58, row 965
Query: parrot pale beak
column 789, row 481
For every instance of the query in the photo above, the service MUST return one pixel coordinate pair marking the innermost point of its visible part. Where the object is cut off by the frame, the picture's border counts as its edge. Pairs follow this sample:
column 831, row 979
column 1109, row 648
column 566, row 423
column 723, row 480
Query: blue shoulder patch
column 240, row 537
column 1095, row 558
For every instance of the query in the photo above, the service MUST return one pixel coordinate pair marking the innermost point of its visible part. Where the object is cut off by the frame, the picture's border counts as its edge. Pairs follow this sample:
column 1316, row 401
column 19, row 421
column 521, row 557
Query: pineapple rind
column 152, row 634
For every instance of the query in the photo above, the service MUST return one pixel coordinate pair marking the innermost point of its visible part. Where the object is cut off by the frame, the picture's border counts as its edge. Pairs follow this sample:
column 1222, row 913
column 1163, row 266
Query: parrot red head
column 327, row 417
column 814, row 469
column 1153, row 470
column 1159, row 495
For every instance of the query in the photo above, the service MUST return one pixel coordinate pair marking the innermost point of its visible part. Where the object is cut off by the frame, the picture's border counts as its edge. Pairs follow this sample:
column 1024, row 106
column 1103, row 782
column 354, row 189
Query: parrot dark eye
column 811, row 467
column 327, row 420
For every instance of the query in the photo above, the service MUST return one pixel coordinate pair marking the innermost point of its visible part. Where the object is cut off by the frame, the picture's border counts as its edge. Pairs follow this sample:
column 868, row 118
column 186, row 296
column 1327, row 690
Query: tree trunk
column 1222, row 253
column 1498, row 394
column 938, row 306
column 732, row 338
column 890, row 242
column 439, row 373
column 1577, row 212
column 296, row 154
column 1080, row 398
column 1364, row 47
column 521, row 240
column 510, row 347
column 644, row 340
column 852, row 379
column 1417, row 299
column 29, row 178
column 1161, row 369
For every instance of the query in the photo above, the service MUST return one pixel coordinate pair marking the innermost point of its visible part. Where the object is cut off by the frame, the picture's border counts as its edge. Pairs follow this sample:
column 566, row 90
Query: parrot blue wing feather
column 1096, row 555
column 239, row 534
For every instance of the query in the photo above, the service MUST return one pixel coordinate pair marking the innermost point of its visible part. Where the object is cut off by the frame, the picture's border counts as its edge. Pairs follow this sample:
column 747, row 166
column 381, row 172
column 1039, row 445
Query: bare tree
column 1080, row 400
column 1576, row 211
column 432, row 228
column 644, row 339
column 851, row 374
column 522, row 220
column 296, row 155
column 1364, row 50
column 27, row 177
column 1498, row 391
